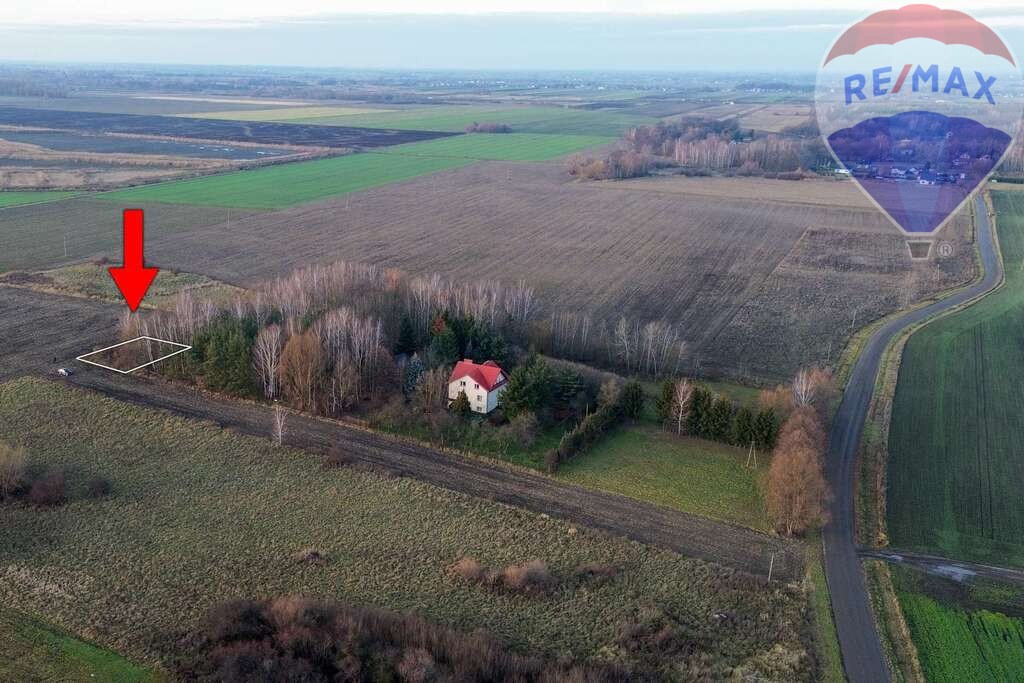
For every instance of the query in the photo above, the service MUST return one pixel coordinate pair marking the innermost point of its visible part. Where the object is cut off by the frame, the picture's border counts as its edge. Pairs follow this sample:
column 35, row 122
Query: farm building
column 482, row 382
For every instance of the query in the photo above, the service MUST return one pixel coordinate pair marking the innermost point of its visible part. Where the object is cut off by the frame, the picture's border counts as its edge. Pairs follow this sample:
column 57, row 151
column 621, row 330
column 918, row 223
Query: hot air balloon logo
column 919, row 105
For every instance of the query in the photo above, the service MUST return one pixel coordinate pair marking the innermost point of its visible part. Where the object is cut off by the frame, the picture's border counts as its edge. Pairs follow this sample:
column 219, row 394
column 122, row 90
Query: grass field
column 281, row 186
column 955, row 469
column 31, row 650
column 501, row 147
column 19, row 198
column 692, row 475
column 455, row 118
column 199, row 514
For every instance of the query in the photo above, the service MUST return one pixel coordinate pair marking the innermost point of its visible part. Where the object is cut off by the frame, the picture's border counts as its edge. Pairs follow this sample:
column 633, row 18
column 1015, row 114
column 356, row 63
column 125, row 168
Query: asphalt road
column 51, row 325
column 858, row 639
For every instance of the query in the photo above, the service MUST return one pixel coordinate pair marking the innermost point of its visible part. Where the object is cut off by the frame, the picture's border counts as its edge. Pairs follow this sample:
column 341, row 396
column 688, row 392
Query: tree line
column 704, row 146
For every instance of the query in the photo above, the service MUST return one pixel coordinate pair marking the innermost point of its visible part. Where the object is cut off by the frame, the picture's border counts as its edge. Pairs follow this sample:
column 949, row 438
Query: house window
column 462, row 383
column 476, row 386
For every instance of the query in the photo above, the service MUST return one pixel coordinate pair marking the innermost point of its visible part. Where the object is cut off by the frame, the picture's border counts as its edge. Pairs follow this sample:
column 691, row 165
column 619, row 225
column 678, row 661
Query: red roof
column 488, row 375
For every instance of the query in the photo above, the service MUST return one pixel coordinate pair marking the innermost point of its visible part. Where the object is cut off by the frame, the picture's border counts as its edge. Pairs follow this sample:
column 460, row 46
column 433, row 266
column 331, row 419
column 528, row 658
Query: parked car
column 65, row 372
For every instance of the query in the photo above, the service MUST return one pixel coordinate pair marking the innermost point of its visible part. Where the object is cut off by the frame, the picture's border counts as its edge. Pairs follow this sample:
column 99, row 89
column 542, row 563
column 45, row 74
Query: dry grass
column 202, row 515
column 92, row 280
column 774, row 118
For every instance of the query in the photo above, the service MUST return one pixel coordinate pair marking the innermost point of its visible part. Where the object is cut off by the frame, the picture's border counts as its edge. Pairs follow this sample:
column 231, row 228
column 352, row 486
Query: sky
column 656, row 35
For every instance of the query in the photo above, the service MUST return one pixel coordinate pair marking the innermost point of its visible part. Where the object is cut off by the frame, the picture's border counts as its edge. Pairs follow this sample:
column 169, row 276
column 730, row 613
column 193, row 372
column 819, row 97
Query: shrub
column 487, row 127
column 530, row 577
column 98, row 487
column 48, row 490
column 295, row 639
column 417, row 666
column 595, row 571
column 522, row 430
column 468, row 569
column 632, row 400
column 336, row 458
column 310, row 556
column 237, row 620
column 12, row 469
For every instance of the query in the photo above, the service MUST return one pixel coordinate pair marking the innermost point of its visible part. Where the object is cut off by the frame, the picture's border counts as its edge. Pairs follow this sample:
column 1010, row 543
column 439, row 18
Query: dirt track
column 83, row 325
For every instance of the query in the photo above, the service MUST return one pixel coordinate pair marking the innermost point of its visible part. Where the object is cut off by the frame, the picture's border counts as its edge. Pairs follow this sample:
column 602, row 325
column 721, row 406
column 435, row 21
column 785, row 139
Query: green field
column 455, row 118
column 956, row 469
column 692, row 475
column 15, row 198
column 276, row 187
column 500, row 147
column 200, row 514
column 31, row 650
column 957, row 645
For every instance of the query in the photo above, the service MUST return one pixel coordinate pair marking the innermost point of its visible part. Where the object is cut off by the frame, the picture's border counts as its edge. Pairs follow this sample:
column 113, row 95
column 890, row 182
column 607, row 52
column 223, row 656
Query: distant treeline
column 701, row 146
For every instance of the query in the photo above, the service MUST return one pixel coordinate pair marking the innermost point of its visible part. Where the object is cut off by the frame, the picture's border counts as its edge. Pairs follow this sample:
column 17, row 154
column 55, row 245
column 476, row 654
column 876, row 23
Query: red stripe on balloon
column 889, row 27
column 903, row 77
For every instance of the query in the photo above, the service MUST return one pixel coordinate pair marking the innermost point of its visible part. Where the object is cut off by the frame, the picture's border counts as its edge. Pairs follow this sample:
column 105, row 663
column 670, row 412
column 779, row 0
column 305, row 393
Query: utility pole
column 65, row 245
column 771, row 566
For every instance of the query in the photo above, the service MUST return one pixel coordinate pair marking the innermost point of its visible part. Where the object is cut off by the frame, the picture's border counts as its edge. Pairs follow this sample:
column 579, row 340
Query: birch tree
column 266, row 358
column 682, row 395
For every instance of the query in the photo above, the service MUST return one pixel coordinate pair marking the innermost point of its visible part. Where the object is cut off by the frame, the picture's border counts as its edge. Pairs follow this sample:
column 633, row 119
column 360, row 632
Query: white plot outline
column 82, row 358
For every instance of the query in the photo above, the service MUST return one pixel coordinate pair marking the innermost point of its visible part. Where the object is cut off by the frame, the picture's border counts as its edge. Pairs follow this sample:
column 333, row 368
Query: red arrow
column 133, row 278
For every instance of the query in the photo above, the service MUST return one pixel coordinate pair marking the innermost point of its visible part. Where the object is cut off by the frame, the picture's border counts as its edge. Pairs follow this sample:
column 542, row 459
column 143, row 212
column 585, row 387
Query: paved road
column 858, row 639
column 957, row 570
column 49, row 325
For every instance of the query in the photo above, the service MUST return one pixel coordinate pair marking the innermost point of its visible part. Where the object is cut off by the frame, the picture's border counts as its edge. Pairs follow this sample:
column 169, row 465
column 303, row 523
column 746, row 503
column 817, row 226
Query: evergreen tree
column 460, row 406
column 566, row 385
column 663, row 405
column 485, row 344
column 227, row 356
column 530, row 387
column 632, row 400
column 406, row 337
column 743, row 432
column 720, row 419
column 444, row 349
column 698, row 420
column 414, row 368
column 766, row 429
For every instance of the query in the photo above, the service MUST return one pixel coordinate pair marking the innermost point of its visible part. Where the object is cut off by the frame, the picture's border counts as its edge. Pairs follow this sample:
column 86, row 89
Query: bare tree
column 431, row 391
column 280, row 427
column 803, row 388
column 797, row 494
column 266, row 358
column 301, row 371
column 682, row 394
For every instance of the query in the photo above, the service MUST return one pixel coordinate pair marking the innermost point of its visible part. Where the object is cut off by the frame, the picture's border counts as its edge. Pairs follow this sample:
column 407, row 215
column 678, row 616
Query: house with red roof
column 482, row 382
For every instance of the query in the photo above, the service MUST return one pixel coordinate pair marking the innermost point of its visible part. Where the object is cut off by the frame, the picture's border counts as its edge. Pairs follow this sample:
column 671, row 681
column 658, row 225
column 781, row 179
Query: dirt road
column 73, row 326
column 943, row 566
column 858, row 639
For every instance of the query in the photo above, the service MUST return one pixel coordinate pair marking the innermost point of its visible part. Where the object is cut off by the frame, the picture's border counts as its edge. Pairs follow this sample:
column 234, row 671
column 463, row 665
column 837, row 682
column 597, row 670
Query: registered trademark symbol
column 945, row 249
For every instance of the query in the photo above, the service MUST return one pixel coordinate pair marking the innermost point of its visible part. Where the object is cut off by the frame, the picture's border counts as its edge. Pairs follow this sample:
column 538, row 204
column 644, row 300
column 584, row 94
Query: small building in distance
column 482, row 382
